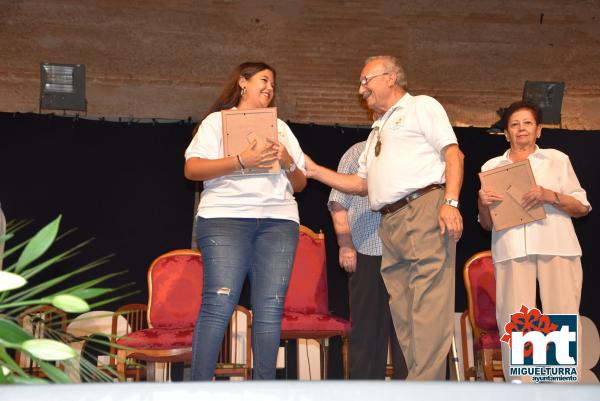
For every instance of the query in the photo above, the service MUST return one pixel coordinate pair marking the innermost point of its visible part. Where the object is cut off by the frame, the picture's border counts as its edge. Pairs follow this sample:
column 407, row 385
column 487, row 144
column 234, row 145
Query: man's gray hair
column 392, row 64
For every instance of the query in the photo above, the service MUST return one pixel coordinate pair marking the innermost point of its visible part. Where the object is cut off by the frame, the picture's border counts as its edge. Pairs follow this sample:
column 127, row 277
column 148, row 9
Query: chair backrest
column 481, row 291
column 128, row 319
column 175, row 289
column 307, row 291
column 44, row 321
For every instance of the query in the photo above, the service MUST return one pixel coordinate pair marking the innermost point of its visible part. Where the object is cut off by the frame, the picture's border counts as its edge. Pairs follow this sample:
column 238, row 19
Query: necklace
column 379, row 129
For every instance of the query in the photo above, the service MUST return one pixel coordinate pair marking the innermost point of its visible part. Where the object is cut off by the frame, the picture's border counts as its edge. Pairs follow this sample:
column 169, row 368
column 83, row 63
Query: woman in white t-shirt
column 247, row 225
column 545, row 250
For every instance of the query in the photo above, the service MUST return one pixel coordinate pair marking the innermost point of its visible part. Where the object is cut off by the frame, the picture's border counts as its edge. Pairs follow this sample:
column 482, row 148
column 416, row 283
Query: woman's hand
column 258, row 156
column 283, row 156
column 487, row 196
column 536, row 196
column 296, row 177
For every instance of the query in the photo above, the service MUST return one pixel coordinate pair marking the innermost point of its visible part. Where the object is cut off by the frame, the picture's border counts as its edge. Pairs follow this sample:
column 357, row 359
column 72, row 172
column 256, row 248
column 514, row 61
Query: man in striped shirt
column 360, row 255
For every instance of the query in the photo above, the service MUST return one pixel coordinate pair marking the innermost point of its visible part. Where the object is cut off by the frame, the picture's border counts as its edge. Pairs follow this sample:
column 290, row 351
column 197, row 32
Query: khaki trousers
column 418, row 270
column 560, row 279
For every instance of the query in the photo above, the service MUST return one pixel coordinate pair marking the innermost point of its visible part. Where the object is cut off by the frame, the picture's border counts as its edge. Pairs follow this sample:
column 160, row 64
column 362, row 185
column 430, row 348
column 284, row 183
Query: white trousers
column 560, row 279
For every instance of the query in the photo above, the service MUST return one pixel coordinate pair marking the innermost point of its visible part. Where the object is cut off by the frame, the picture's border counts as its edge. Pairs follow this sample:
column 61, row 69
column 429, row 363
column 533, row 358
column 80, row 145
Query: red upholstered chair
column 480, row 284
column 174, row 300
column 306, row 310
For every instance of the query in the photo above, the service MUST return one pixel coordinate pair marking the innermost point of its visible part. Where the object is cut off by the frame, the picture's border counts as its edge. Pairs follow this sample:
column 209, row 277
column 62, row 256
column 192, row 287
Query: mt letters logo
column 542, row 346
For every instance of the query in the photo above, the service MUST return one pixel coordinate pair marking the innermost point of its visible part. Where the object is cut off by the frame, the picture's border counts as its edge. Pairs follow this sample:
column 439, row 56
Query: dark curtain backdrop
column 122, row 183
column 119, row 183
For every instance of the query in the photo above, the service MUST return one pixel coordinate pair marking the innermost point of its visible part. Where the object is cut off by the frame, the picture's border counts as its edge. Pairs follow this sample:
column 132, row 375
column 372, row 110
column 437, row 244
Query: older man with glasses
column 412, row 170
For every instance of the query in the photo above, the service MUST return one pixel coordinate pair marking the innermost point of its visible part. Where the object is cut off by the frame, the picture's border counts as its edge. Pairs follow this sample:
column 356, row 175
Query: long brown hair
column 231, row 94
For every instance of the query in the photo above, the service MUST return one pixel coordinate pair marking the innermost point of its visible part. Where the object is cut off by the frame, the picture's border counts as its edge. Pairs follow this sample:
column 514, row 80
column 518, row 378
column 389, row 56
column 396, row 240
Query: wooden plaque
column 240, row 127
column 511, row 181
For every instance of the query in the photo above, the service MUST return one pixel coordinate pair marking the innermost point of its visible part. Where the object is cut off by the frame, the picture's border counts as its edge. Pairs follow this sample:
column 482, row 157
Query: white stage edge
column 301, row 391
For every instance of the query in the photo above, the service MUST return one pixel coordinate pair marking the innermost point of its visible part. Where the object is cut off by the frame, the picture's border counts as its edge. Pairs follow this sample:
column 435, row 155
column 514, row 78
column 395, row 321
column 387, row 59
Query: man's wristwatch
column 291, row 168
column 451, row 202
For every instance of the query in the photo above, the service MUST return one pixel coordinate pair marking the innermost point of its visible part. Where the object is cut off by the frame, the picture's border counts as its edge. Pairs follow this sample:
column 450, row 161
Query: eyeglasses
column 366, row 79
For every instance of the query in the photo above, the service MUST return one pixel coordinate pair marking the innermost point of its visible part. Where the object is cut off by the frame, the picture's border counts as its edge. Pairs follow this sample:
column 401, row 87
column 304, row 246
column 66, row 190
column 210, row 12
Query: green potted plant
column 16, row 294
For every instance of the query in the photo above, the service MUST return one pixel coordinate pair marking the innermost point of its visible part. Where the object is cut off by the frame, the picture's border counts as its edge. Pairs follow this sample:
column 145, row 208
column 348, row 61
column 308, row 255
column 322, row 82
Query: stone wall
column 167, row 59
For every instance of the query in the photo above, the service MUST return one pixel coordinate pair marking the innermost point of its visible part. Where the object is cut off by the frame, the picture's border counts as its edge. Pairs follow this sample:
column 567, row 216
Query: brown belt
column 399, row 204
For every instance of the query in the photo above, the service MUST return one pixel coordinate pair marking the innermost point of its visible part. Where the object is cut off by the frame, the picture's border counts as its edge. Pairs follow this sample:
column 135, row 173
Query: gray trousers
column 371, row 324
column 418, row 265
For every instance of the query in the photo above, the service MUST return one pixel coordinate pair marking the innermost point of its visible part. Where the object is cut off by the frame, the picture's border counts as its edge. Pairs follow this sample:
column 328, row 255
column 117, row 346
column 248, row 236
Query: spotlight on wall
column 62, row 87
column 547, row 96
column 497, row 128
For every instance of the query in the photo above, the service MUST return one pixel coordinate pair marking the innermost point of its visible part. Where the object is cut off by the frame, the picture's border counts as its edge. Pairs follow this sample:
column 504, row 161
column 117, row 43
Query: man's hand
column 348, row 259
column 311, row 166
column 450, row 220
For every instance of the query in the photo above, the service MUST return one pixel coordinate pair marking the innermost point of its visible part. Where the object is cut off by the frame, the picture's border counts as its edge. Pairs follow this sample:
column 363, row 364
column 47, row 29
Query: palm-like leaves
column 15, row 296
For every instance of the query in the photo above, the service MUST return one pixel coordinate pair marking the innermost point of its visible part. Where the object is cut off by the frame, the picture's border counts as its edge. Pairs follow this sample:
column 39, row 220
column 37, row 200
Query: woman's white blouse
column 245, row 196
column 553, row 235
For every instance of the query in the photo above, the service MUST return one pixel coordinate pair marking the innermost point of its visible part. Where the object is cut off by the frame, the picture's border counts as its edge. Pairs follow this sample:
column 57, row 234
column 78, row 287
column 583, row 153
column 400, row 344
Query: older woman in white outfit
column 546, row 250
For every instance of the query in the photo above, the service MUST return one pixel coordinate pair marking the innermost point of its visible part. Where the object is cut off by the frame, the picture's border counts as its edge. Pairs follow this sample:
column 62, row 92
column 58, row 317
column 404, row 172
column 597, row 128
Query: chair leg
column 479, row 365
column 325, row 343
column 346, row 357
column 285, row 358
column 167, row 372
column 469, row 370
column 453, row 357
column 488, row 367
column 497, row 358
column 121, row 364
column 150, row 371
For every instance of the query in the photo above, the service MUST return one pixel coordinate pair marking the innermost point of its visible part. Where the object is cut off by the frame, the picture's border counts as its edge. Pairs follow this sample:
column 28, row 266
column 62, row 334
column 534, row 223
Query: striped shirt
column 363, row 222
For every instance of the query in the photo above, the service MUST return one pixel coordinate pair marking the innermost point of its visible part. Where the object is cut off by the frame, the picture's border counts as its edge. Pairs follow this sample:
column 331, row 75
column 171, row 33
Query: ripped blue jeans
column 233, row 248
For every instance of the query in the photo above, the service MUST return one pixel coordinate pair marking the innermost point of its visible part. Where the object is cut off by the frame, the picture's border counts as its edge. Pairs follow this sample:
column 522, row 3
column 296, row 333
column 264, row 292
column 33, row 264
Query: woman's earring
column 243, row 92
